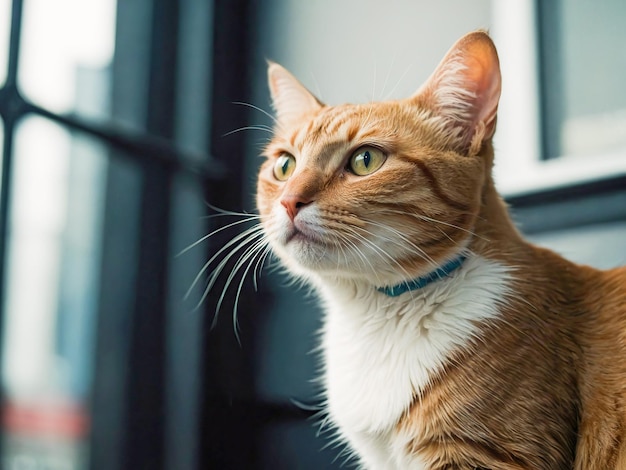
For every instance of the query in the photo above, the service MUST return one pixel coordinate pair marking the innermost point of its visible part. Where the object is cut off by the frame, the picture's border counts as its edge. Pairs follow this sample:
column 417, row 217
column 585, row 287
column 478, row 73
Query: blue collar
column 406, row 286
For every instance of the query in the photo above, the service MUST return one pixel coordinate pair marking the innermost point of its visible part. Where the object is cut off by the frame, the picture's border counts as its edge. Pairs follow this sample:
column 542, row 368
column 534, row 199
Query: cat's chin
column 307, row 252
column 306, row 256
column 309, row 259
column 303, row 238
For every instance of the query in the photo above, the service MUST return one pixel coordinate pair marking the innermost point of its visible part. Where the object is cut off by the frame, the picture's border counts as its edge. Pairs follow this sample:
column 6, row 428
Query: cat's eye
column 366, row 161
column 284, row 167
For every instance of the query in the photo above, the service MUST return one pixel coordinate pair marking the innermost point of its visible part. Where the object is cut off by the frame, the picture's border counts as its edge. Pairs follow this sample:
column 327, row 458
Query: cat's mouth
column 301, row 233
column 297, row 235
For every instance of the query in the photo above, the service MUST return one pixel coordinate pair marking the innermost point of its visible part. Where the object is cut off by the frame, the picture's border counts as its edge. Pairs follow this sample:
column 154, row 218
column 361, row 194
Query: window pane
column 52, row 291
column 584, row 70
column 66, row 52
column 5, row 30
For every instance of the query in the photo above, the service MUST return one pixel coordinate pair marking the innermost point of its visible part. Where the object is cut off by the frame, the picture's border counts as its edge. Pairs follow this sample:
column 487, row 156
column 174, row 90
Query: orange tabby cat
column 449, row 342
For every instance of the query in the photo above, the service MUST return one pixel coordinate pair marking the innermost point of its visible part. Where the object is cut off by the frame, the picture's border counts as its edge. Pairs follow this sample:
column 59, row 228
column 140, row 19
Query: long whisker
column 318, row 92
column 441, row 222
column 354, row 235
column 374, row 86
column 247, row 235
column 361, row 236
column 393, row 60
column 242, row 103
column 221, row 211
column 258, row 127
column 250, row 252
column 415, row 248
column 214, row 232
column 251, row 237
column 213, row 279
column 435, row 221
column 259, row 267
column 258, row 251
column 378, row 250
column 397, row 83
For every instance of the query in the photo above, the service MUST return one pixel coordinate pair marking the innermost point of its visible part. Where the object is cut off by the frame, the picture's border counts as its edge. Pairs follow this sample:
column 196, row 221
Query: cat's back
column 591, row 301
column 602, row 375
column 605, row 299
column 614, row 287
column 604, row 327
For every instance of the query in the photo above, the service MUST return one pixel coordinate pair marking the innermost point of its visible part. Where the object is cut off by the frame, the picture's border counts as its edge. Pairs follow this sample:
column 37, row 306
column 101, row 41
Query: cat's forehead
column 334, row 127
column 338, row 122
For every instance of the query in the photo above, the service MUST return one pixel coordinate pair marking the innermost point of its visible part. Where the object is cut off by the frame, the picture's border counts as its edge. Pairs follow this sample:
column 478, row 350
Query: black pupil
column 285, row 166
column 366, row 159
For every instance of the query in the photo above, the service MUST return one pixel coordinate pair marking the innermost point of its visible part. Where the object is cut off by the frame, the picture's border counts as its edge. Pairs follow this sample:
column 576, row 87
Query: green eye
column 366, row 161
column 284, row 166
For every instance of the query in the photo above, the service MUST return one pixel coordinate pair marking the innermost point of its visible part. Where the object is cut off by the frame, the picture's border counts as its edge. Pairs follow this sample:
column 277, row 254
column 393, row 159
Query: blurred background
column 122, row 124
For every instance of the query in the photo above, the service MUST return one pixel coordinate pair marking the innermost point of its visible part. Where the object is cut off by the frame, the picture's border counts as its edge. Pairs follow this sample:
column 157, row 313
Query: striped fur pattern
column 517, row 360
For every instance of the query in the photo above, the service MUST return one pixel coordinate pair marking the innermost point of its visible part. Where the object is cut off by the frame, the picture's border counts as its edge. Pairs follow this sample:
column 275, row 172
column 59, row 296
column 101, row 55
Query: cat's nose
column 293, row 204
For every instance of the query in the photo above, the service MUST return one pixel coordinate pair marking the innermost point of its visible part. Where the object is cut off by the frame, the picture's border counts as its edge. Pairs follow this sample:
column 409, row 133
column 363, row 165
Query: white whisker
column 251, row 251
column 255, row 252
column 269, row 115
column 390, row 94
column 256, row 274
column 374, row 86
column 249, row 128
column 247, row 235
column 415, row 249
column 435, row 221
column 214, row 232
column 393, row 60
column 233, row 213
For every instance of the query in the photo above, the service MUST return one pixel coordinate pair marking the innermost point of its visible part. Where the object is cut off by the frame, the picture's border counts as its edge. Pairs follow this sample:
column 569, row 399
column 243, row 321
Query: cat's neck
column 495, row 233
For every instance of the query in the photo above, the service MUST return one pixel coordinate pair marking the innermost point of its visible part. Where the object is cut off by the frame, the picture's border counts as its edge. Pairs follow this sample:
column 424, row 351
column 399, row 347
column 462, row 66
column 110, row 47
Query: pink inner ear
column 483, row 71
column 465, row 88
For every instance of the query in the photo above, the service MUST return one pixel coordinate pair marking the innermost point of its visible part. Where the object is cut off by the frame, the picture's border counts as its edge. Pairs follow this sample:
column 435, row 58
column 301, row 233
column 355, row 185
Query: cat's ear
column 464, row 91
column 290, row 99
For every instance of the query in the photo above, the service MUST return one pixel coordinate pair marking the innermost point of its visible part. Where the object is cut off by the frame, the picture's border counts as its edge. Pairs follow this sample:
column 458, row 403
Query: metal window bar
column 158, row 158
column 143, row 147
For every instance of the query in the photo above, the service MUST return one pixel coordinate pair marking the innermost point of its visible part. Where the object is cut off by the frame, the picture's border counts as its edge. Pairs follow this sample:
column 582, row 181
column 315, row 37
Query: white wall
column 351, row 50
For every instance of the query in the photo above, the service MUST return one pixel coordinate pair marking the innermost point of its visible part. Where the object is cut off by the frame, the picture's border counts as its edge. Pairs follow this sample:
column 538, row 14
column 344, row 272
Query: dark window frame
column 128, row 427
column 591, row 202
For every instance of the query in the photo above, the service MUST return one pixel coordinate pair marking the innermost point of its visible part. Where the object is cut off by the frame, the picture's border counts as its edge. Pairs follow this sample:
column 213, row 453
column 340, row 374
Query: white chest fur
column 381, row 351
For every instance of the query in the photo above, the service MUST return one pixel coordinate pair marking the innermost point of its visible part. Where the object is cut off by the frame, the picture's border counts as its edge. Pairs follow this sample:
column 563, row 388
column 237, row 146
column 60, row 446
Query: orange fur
column 544, row 386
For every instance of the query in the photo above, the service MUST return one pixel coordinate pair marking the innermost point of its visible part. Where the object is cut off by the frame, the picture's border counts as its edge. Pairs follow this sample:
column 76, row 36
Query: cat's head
column 381, row 191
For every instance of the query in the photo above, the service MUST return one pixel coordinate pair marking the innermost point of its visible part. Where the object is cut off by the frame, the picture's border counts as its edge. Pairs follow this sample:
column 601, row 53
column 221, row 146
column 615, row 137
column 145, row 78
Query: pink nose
column 293, row 204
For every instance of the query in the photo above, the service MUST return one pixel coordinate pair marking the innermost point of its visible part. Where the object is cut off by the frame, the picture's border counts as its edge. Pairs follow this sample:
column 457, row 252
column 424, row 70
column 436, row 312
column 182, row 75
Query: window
column 77, row 72
column 51, row 290
column 561, row 114
column 105, row 109
column 560, row 140
column 5, row 28
column 583, row 75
